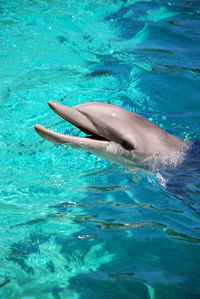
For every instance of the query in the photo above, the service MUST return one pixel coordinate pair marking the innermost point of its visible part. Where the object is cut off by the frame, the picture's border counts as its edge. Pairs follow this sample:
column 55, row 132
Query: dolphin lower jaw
column 85, row 143
column 108, row 150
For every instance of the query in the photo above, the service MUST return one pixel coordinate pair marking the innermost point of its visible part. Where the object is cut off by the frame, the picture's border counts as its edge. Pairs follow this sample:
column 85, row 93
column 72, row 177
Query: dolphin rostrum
column 114, row 134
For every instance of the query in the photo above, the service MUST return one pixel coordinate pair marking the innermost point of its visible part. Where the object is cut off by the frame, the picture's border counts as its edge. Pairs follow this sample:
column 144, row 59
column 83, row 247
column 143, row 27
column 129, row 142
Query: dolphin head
column 111, row 131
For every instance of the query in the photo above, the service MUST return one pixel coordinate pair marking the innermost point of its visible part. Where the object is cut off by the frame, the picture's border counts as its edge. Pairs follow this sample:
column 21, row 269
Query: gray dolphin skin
column 113, row 133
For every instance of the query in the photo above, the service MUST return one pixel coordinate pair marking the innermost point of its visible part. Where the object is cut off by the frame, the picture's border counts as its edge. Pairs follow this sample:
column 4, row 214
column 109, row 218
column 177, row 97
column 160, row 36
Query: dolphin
column 115, row 134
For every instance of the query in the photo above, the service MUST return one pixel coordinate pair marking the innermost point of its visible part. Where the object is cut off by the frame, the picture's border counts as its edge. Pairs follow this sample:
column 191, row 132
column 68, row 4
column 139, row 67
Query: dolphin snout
column 53, row 105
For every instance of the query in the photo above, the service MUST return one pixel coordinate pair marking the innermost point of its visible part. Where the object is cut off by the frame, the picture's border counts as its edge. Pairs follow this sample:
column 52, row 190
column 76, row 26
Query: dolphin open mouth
column 79, row 120
column 112, row 132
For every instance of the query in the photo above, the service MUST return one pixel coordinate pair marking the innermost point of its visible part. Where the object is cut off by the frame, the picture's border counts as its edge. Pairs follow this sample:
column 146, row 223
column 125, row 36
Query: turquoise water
column 72, row 224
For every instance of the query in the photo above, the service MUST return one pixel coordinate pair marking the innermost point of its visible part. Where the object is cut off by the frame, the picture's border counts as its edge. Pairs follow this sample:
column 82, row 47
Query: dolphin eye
column 127, row 145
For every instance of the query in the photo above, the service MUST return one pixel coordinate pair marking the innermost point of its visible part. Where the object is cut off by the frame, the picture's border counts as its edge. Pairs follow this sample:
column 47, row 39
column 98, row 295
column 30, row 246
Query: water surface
column 73, row 225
